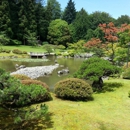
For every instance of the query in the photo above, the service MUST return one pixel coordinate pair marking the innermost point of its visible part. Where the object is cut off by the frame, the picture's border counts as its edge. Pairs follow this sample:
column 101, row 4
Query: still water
column 70, row 63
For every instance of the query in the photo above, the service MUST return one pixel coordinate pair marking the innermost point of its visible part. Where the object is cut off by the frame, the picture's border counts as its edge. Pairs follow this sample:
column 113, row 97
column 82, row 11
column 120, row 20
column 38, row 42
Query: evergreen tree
column 55, row 9
column 69, row 13
column 80, row 25
column 31, row 17
column 22, row 21
column 42, row 23
column 14, row 17
column 5, row 22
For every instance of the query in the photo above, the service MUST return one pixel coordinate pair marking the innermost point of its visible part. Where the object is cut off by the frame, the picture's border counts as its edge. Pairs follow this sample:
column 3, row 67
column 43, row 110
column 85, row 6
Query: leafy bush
column 129, row 94
column 94, row 69
column 37, row 82
column 126, row 74
column 14, row 96
column 22, row 95
column 7, row 51
column 73, row 89
column 17, row 51
column 24, row 52
column 21, row 76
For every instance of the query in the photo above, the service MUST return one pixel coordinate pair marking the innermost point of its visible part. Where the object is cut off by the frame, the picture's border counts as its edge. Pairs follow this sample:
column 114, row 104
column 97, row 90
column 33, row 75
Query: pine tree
column 69, row 13
column 42, row 23
column 80, row 25
column 5, row 22
column 55, row 9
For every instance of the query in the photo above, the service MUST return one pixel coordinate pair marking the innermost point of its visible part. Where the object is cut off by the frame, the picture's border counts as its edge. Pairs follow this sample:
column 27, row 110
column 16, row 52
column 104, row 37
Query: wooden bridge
column 38, row 55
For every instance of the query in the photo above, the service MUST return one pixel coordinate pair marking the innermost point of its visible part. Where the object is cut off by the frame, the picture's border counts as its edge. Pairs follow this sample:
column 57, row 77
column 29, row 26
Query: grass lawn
column 109, row 110
column 25, row 48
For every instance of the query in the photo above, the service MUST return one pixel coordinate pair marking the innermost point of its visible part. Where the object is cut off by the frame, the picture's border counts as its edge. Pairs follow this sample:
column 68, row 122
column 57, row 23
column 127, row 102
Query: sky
column 115, row 8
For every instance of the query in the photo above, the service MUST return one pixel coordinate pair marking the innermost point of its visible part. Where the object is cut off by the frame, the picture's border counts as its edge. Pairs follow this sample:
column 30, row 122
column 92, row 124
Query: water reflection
column 71, row 63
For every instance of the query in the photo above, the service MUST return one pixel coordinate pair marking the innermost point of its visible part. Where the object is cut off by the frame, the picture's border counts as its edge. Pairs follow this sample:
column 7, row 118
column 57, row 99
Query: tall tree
column 123, row 19
column 5, row 21
column 98, row 17
column 55, row 9
column 14, row 17
column 69, row 13
column 80, row 25
column 42, row 22
column 22, row 21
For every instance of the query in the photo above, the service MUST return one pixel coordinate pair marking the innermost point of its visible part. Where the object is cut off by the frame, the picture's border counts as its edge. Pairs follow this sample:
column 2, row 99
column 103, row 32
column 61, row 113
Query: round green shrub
column 17, row 51
column 37, row 82
column 21, row 76
column 73, row 89
column 24, row 52
column 126, row 74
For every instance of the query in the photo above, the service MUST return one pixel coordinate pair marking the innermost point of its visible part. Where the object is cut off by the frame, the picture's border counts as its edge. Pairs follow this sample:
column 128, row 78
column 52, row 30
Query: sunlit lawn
column 25, row 48
column 109, row 110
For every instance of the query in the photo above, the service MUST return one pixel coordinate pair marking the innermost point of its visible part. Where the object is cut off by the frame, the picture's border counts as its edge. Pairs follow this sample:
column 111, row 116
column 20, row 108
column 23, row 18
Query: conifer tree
column 69, row 13
column 5, row 22
column 55, row 9
column 80, row 25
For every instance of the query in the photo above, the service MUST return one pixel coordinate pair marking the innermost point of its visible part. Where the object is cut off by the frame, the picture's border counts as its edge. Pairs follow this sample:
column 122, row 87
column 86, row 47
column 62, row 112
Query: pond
column 72, row 64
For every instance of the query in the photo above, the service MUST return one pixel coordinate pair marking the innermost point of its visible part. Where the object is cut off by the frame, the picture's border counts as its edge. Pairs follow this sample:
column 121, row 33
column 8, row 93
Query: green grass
column 25, row 48
column 109, row 110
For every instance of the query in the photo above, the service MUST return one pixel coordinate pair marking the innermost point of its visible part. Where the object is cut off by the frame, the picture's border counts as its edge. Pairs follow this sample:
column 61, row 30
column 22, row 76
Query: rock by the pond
column 38, row 71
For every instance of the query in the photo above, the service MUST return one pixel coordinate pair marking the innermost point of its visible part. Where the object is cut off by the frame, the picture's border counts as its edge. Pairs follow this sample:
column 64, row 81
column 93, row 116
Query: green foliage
column 73, row 89
column 14, row 95
column 126, row 74
column 80, row 25
column 22, row 95
column 48, row 48
column 129, row 94
column 94, row 68
column 32, row 114
column 21, row 76
column 58, row 32
column 78, row 46
column 55, row 9
column 69, row 13
column 120, row 20
column 37, row 82
column 15, row 42
column 17, row 51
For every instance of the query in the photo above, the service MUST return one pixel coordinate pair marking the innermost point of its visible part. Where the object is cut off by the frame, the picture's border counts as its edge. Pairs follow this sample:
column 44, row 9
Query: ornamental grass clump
column 73, row 89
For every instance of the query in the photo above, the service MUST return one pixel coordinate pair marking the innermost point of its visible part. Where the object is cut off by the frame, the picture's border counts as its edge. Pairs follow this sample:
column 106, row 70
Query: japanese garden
column 63, row 69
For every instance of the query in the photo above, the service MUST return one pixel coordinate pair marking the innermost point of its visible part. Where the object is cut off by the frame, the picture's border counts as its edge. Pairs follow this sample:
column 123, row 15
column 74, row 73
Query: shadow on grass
column 6, row 123
column 110, row 87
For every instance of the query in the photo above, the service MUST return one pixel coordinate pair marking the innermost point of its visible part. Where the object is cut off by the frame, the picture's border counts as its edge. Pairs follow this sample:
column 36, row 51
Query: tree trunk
column 97, row 85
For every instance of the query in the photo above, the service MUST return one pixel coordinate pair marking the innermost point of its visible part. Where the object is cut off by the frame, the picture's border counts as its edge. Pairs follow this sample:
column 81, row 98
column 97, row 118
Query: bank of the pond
column 38, row 71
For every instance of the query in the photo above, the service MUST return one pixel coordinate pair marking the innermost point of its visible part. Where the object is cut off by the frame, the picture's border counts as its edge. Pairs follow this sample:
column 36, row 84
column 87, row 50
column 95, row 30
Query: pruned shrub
column 7, row 51
column 24, row 52
column 21, row 76
column 17, row 51
column 73, row 89
column 37, row 82
column 126, row 74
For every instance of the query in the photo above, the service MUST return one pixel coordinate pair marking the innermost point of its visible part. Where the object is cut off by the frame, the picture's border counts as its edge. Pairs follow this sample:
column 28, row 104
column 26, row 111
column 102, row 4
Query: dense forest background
column 26, row 22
